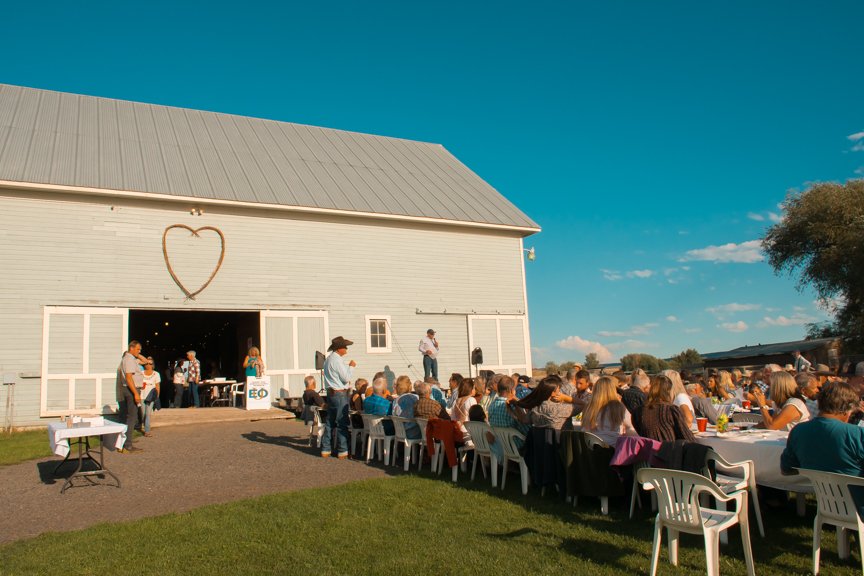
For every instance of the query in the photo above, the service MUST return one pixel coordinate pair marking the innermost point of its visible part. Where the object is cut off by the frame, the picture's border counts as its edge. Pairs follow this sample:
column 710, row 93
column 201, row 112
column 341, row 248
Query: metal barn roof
column 55, row 138
column 769, row 349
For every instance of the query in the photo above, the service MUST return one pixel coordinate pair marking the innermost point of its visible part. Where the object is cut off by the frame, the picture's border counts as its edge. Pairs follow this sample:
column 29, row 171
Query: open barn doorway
column 219, row 339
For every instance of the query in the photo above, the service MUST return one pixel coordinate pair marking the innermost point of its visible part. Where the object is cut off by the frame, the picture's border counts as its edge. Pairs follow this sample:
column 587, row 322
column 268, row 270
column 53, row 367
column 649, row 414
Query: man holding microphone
column 337, row 375
column 429, row 348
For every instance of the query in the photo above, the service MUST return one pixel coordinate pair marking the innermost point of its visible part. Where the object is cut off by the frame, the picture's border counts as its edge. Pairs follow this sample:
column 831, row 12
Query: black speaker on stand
column 477, row 359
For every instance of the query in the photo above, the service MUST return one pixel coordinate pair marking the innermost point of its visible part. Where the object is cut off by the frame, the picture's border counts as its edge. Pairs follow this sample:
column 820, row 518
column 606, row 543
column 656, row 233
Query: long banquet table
column 764, row 447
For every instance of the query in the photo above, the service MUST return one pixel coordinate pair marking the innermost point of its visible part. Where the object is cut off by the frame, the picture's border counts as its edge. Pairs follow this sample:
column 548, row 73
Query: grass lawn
column 405, row 525
column 21, row 446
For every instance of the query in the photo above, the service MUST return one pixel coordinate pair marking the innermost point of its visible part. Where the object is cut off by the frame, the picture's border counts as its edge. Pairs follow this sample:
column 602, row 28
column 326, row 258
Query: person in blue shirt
column 337, row 376
column 828, row 442
column 378, row 405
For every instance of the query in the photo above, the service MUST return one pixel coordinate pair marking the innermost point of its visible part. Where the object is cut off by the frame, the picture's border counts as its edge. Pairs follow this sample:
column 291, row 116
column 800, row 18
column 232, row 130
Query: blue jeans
column 430, row 367
column 337, row 419
column 193, row 401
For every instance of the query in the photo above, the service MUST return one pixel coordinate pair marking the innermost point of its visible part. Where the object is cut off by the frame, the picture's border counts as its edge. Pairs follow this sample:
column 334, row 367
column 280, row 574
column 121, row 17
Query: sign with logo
column 258, row 393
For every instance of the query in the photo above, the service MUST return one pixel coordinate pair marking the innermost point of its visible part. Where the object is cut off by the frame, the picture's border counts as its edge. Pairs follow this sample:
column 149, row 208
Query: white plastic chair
column 316, row 427
column 483, row 450
column 508, row 437
column 461, row 456
column 408, row 444
column 375, row 427
column 238, row 389
column 356, row 433
column 421, row 422
column 744, row 479
column 594, row 440
column 679, row 510
column 835, row 506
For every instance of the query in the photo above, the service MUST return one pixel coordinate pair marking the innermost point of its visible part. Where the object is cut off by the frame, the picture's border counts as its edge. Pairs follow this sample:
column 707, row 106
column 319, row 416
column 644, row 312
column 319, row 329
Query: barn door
column 289, row 340
column 504, row 341
column 81, row 350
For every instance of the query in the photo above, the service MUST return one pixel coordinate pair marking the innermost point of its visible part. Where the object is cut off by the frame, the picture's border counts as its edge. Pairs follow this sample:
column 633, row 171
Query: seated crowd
column 815, row 405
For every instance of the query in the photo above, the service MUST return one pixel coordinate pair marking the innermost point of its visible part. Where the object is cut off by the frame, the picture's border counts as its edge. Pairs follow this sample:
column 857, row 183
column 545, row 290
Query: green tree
column 647, row 362
column 689, row 358
column 565, row 366
column 591, row 361
column 821, row 242
column 551, row 368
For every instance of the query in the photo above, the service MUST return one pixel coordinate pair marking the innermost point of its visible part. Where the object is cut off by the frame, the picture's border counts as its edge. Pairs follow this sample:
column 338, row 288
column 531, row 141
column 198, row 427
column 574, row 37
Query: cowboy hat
column 822, row 370
column 339, row 342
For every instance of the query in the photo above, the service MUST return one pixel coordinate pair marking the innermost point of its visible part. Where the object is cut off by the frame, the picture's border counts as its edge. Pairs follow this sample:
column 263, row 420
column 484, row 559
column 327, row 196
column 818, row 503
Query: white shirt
column 684, row 400
column 427, row 344
column 150, row 383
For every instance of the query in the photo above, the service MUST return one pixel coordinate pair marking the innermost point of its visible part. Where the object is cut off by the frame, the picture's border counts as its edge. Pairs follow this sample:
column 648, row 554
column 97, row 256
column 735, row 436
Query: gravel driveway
column 180, row 468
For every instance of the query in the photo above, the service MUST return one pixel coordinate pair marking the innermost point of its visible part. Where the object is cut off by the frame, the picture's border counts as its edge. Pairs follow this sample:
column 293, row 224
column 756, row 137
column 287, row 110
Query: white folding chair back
column 479, row 432
column 316, row 427
column 835, row 506
column 746, row 418
column 374, row 425
column 408, row 444
column 508, row 438
column 421, row 423
column 238, row 389
column 743, row 477
column 679, row 510
column 355, row 433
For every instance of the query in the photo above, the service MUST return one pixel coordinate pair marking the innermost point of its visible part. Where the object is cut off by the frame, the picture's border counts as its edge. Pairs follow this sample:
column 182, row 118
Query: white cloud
column 615, row 275
column 640, row 273
column 671, row 318
column 855, row 137
column 830, row 305
column 755, row 216
column 746, row 253
column 774, row 217
column 611, row 275
column 797, row 319
column 858, row 147
column 586, row 346
column 860, row 171
column 739, row 326
column 692, row 330
column 638, row 330
column 732, row 308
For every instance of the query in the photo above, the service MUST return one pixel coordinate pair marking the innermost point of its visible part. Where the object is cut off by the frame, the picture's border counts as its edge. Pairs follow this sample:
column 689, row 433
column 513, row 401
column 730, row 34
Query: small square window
column 378, row 334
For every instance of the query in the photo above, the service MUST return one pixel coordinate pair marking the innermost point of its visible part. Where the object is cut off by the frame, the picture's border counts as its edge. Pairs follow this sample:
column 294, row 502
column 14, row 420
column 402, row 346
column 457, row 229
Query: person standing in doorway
column 193, row 377
column 337, row 376
column 253, row 364
column 129, row 379
column 429, row 348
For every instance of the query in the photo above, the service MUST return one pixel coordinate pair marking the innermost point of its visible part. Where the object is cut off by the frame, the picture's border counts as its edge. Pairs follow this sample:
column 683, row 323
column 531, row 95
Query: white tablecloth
column 764, row 447
column 113, row 435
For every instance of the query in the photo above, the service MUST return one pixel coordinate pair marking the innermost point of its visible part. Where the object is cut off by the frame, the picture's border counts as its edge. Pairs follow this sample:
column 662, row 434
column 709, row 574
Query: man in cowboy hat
column 337, row 374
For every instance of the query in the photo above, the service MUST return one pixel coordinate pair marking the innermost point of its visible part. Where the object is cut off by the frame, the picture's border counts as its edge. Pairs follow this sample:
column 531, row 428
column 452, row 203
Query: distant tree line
column 689, row 358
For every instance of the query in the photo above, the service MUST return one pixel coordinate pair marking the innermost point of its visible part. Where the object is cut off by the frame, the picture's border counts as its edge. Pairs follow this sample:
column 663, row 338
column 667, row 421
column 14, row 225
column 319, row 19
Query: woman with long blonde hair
column 605, row 415
column 789, row 405
column 680, row 397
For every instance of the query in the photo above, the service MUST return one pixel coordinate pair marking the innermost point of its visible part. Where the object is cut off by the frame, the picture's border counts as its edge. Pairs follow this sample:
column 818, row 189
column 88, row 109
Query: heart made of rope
column 194, row 232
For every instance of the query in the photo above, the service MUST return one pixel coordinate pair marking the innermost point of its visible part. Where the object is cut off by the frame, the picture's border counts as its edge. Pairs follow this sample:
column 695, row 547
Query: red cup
column 745, row 404
column 702, row 424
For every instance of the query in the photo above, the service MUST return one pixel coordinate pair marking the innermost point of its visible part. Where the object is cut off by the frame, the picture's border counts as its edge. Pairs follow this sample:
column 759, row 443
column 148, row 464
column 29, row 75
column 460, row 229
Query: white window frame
column 102, row 379
column 389, row 334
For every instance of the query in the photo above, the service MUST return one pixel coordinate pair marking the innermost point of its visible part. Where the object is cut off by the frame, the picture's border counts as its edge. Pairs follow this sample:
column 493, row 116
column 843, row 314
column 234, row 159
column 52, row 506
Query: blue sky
column 653, row 142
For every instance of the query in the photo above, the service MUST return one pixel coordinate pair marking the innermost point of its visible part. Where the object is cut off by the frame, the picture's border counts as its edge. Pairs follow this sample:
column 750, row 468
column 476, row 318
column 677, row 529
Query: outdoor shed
column 197, row 230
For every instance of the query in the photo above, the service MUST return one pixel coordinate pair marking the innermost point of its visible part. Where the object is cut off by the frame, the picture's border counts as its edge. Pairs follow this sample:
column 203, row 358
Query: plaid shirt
column 499, row 416
column 194, row 371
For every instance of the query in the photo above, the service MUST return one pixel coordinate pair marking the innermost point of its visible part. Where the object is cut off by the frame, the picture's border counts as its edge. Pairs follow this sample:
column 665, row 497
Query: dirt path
column 180, row 468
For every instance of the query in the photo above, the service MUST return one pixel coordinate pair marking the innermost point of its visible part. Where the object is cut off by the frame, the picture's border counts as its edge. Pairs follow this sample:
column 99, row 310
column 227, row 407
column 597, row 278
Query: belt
column 335, row 391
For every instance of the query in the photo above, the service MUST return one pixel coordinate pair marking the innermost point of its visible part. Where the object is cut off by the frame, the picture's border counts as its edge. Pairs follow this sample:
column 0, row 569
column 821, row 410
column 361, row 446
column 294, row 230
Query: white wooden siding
column 87, row 252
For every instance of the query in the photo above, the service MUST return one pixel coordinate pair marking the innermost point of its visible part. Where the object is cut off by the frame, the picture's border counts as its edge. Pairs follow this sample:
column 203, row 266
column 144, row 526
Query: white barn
column 320, row 233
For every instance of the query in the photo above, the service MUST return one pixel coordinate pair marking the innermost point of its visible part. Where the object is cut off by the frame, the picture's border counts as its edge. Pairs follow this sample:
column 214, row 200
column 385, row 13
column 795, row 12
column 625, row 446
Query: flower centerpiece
column 722, row 424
